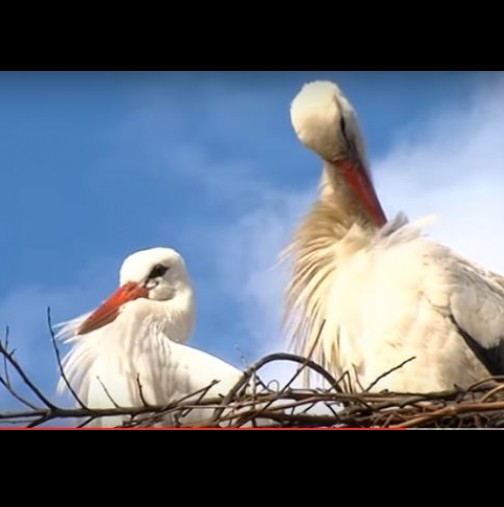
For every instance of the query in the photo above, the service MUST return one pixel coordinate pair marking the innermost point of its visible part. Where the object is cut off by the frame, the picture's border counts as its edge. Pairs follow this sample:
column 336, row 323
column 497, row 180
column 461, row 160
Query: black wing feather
column 492, row 358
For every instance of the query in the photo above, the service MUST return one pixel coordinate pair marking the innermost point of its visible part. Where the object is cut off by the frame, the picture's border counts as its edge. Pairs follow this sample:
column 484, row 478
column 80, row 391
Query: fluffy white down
column 392, row 300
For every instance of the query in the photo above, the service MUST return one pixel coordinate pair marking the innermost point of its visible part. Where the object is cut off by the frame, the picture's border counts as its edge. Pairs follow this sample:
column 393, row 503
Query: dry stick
column 39, row 421
column 5, row 381
column 15, row 421
column 58, row 360
column 306, row 418
column 493, row 392
column 6, row 370
column 176, row 405
column 290, row 405
column 279, row 356
column 347, row 381
column 327, row 405
column 13, row 393
column 296, row 373
column 308, row 358
column 383, row 375
column 359, row 385
column 7, row 384
column 263, row 385
column 305, row 362
column 25, row 377
column 308, row 408
column 454, row 410
column 244, row 363
column 109, row 396
column 204, row 391
column 477, row 421
column 140, row 391
column 476, row 385
column 86, row 422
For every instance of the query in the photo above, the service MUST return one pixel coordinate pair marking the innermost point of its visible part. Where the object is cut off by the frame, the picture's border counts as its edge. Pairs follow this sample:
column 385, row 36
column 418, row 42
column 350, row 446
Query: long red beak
column 109, row 309
column 359, row 182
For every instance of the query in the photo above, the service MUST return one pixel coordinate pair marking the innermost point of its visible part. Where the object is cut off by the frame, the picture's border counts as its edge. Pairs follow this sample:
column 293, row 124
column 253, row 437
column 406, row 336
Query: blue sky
column 94, row 166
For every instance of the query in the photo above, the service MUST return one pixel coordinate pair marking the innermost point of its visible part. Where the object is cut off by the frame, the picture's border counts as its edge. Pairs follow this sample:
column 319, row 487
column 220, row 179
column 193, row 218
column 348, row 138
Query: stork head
column 156, row 274
column 325, row 122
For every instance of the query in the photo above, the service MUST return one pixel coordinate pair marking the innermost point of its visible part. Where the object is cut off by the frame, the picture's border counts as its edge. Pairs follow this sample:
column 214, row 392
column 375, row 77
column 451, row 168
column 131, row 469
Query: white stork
column 367, row 294
column 136, row 338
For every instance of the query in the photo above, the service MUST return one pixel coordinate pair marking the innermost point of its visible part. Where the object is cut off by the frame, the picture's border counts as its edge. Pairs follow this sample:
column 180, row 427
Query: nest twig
column 252, row 402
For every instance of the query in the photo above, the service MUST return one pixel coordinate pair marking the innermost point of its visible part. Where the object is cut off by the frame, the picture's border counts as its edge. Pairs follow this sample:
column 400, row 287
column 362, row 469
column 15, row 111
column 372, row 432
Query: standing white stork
column 377, row 293
column 136, row 338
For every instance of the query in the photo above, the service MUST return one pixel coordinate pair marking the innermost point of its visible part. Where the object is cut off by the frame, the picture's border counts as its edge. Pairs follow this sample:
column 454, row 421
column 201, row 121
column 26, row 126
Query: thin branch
column 357, row 378
column 279, row 356
column 107, row 393
column 58, row 360
column 296, row 373
column 16, row 395
column 5, row 380
column 86, row 422
column 140, row 391
column 39, row 421
column 6, row 370
column 36, row 391
column 165, row 410
column 383, row 375
column 492, row 393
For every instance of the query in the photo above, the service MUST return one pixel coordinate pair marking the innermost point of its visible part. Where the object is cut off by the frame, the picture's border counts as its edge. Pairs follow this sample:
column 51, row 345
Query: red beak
column 359, row 182
column 109, row 309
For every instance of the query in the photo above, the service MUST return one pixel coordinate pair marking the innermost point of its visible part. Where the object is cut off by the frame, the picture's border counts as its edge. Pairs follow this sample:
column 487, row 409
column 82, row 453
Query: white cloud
column 454, row 169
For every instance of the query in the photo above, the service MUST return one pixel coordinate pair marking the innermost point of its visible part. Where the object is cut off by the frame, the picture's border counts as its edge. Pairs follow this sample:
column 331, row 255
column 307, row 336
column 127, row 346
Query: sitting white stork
column 131, row 348
column 367, row 294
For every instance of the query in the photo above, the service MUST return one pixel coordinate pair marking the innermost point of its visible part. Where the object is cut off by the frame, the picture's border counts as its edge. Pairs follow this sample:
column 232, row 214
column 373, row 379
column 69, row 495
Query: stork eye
column 157, row 271
column 343, row 127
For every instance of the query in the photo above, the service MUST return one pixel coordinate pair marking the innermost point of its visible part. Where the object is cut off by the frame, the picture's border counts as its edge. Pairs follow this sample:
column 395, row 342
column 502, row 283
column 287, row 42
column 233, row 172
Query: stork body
column 367, row 295
column 132, row 349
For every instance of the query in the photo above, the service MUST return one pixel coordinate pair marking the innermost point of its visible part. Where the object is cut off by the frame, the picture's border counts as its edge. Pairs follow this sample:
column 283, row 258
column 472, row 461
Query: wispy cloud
column 453, row 166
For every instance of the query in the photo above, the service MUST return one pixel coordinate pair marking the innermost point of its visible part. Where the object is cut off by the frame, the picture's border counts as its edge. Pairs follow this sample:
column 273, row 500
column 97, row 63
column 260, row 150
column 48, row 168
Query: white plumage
column 141, row 331
column 378, row 292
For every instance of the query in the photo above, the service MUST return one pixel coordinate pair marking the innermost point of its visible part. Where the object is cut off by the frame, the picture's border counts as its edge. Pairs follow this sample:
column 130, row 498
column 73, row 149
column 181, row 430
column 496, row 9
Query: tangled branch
column 253, row 402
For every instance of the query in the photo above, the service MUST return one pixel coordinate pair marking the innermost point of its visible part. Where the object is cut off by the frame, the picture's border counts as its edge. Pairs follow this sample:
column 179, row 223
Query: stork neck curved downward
column 347, row 208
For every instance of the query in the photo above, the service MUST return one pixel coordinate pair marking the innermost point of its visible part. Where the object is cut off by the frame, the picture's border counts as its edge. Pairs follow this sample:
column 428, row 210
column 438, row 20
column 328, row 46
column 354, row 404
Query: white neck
column 174, row 317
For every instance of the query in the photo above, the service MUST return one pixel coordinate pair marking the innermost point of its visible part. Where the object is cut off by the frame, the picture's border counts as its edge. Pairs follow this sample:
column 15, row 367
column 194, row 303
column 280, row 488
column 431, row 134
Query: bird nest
column 252, row 402
column 479, row 406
